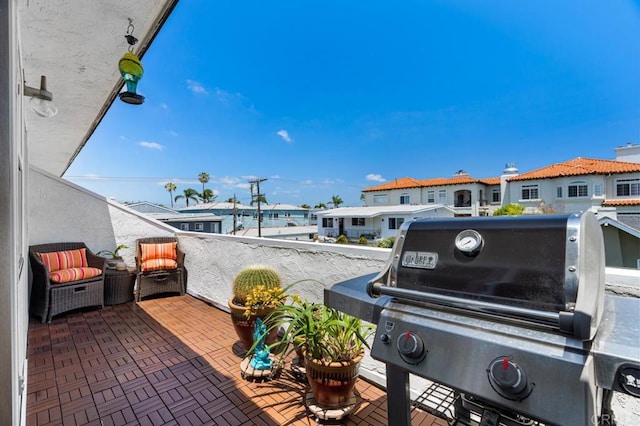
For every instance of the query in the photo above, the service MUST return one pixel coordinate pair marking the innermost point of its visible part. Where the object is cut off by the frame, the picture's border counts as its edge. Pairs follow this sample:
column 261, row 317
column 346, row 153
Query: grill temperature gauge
column 469, row 242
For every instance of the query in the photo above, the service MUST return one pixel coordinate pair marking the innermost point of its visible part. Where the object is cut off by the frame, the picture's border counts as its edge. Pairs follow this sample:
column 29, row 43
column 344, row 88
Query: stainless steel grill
column 509, row 312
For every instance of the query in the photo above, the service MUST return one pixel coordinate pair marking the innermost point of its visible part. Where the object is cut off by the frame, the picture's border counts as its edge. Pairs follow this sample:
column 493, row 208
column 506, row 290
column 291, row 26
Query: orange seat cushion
column 158, row 251
column 56, row 260
column 158, row 265
column 73, row 274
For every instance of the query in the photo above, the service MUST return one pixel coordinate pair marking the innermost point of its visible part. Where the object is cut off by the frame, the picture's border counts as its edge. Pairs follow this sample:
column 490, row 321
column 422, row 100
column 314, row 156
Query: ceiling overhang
column 77, row 45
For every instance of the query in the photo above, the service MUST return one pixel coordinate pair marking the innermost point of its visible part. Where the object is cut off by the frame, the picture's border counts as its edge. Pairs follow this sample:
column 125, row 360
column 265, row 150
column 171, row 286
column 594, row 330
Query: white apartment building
column 609, row 188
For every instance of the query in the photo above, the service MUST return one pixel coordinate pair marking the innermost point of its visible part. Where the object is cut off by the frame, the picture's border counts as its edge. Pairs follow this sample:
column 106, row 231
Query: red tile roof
column 490, row 181
column 625, row 202
column 579, row 167
column 576, row 167
column 406, row 183
column 402, row 183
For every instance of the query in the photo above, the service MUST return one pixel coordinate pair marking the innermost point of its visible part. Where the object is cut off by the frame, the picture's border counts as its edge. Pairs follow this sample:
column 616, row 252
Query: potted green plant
column 257, row 290
column 332, row 343
column 114, row 255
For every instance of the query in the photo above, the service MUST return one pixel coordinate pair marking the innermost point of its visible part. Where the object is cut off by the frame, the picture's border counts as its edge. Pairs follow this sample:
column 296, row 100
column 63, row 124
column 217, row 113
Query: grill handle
column 552, row 318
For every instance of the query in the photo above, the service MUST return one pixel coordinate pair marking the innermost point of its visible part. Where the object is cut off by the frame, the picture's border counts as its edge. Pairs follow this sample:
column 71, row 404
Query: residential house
column 575, row 185
column 273, row 215
column 196, row 222
column 374, row 222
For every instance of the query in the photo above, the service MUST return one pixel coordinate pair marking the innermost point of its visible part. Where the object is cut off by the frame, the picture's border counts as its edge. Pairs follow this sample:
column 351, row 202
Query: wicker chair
column 160, row 281
column 49, row 299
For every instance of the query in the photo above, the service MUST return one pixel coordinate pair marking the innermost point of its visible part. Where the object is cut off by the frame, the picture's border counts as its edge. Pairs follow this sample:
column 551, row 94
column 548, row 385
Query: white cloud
column 223, row 95
column 151, row 145
column 164, row 106
column 373, row 177
column 307, row 182
column 229, row 180
column 196, row 87
column 173, row 133
column 284, row 135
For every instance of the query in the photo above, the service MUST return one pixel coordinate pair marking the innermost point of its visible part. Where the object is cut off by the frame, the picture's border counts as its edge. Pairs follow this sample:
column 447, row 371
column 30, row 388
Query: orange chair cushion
column 158, row 251
column 158, row 265
column 57, row 260
column 73, row 274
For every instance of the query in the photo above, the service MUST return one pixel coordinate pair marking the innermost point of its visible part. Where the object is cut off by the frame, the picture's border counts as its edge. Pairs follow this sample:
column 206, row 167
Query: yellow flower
column 261, row 297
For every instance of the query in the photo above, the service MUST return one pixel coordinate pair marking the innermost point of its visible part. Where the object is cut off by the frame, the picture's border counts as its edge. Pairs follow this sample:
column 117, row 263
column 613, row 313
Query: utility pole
column 258, row 196
column 234, row 214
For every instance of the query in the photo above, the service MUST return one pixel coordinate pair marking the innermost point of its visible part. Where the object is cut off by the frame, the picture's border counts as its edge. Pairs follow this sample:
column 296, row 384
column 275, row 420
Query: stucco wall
column 213, row 261
column 61, row 211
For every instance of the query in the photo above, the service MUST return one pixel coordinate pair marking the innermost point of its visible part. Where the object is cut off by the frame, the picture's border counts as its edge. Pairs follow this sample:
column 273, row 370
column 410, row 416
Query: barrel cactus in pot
column 257, row 290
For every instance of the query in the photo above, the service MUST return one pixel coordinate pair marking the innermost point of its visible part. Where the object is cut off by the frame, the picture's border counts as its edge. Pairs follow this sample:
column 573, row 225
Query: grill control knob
column 411, row 347
column 508, row 379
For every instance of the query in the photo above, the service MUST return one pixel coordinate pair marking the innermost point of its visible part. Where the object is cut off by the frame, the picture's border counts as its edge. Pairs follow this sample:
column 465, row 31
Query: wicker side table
column 118, row 286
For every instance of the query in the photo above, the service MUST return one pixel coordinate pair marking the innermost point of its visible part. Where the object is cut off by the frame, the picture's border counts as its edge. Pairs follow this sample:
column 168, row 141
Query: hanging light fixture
column 41, row 101
column 131, row 70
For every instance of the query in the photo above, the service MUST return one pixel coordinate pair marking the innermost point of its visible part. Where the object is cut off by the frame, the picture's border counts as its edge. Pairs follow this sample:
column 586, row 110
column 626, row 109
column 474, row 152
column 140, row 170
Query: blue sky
column 329, row 97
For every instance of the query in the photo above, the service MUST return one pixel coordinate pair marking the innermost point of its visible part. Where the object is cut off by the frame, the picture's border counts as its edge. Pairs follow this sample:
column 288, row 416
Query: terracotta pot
column 244, row 325
column 332, row 383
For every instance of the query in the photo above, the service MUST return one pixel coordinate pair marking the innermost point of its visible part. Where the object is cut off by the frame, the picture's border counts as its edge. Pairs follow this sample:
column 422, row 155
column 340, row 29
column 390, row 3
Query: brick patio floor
column 168, row 361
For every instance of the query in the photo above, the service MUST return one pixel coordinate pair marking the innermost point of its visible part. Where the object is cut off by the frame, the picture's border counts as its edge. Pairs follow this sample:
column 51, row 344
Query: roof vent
column 461, row 172
column 510, row 169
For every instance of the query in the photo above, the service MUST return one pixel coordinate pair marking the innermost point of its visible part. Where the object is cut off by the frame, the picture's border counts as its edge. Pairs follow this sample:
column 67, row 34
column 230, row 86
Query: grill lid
column 544, row 269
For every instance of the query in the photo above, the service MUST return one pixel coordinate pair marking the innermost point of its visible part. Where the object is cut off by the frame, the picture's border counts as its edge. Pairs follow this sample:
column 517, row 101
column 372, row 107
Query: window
column 405, row 199
column 380, row 199
column 625, row 187
column 327, row 222
column 276, row 215
column 529, row 192
column 357, row 221
column 598, row 190
column 577, row 189
column 442, row 196
column 199, row 226
column 431, row 196
column 495, row 196
column 184, row 226
column 395, row 222
column 462, row 198
column 559, row 192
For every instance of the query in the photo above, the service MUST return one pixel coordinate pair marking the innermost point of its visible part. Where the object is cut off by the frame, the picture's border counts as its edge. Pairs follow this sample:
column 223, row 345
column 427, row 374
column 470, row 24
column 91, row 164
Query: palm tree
column 208, row 196
column 336, row 201
column 170, row 186
column 256, row 197
column 260, row 197
column 320, row 206
column 203, row 178
column 305, row 206
column 189, row 194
